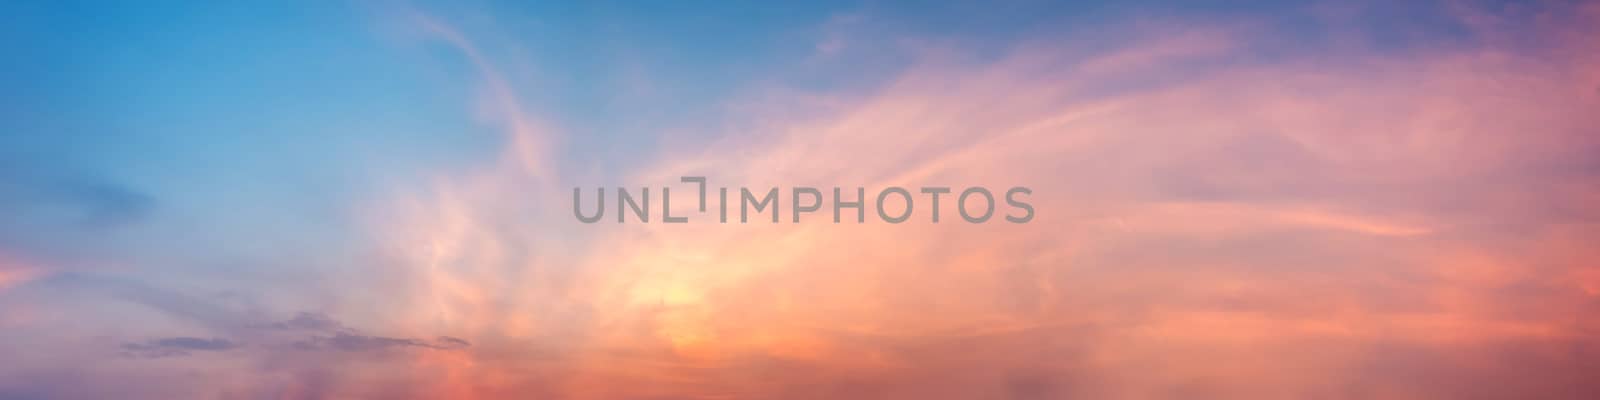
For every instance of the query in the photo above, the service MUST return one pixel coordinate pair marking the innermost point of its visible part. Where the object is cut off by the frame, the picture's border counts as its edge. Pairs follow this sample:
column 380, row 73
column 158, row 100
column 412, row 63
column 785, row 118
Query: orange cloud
column 1210, row 225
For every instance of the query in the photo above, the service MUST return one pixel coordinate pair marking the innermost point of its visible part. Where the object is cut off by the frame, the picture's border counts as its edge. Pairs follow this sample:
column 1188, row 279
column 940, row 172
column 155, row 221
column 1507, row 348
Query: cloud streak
column 1345, row 217
column 176, row 347
column 1227, row 207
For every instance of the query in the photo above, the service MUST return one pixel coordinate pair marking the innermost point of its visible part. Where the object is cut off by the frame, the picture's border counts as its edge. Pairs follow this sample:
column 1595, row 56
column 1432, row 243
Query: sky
column 372, row 199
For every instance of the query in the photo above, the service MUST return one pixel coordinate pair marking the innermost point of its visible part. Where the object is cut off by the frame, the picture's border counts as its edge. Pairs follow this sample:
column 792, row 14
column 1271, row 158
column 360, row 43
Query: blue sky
column 330, row 198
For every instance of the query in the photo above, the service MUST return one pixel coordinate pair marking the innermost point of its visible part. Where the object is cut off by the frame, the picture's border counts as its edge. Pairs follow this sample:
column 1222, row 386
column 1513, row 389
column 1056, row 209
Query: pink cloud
column 1211, row 223
column 1292, row 228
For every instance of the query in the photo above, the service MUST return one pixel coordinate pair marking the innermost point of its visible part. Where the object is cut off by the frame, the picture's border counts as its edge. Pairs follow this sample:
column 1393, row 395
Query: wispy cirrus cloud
column 1205, row 194
column 1228, row 207
column 176, row 346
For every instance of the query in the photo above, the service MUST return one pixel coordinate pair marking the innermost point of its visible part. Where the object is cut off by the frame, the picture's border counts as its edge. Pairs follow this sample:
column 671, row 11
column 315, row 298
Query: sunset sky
column 373, row 199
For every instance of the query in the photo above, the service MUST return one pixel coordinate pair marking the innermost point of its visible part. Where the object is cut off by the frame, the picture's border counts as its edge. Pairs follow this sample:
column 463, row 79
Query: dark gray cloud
column 363, row 343
column 451, row 342
column 176, row 346
column 229, row 326
column 305, row 330
column 334, row 335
